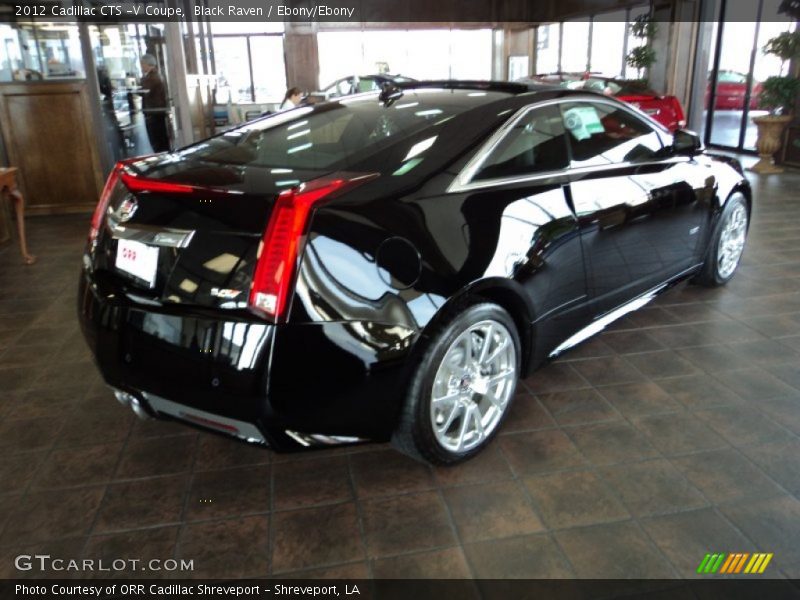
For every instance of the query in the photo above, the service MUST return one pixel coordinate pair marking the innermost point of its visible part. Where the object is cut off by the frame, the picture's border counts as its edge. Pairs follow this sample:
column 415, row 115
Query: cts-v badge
column 224, row 293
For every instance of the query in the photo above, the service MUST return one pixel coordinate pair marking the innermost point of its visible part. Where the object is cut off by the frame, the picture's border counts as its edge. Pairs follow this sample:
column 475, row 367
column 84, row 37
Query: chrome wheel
column 473, row 386
column 731, row 241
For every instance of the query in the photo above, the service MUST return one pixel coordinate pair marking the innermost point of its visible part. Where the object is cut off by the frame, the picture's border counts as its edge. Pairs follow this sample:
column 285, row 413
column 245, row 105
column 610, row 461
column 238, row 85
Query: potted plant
column 779, row 96
column 643, row 57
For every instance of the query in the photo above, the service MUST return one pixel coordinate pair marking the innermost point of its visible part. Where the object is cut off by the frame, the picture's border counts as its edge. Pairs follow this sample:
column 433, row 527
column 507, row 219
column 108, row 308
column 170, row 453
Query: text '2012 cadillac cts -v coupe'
column 386, row 266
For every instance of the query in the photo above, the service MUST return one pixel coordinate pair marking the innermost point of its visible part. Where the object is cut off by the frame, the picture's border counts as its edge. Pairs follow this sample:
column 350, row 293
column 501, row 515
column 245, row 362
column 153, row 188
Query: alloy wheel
column 731, row 241
column 473, row 386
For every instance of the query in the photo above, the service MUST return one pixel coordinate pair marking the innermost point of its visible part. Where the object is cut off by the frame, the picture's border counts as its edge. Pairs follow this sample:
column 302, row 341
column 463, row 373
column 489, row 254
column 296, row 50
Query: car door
column 521, row 224
column 640, row 218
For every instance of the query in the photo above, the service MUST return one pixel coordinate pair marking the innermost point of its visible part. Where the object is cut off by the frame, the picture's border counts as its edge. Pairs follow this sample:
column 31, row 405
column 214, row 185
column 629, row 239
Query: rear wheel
column 462, row 388
column 727, row 244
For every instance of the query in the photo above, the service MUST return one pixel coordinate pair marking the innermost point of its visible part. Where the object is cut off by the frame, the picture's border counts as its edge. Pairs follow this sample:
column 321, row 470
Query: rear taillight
column 136, row 183
column 680, row 117
column 280, row 245
column 102, row 205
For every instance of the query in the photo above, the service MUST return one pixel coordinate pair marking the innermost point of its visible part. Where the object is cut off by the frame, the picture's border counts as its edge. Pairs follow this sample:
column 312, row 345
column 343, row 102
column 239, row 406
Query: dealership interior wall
column 220, row 73
column 673, row 434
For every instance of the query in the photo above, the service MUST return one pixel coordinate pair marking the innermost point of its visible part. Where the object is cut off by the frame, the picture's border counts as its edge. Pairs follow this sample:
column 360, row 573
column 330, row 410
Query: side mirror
column 685, row 142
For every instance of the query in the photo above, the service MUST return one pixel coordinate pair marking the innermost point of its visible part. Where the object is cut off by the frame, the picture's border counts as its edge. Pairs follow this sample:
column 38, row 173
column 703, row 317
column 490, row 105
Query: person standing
column 154, row 104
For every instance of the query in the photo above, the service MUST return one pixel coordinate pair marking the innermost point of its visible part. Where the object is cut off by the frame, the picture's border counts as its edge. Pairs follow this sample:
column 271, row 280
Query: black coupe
column 387, row 265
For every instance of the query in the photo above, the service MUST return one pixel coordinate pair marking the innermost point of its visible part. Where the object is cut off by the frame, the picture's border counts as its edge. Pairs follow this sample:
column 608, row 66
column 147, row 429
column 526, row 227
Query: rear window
column 334, row 135
column 731, row 77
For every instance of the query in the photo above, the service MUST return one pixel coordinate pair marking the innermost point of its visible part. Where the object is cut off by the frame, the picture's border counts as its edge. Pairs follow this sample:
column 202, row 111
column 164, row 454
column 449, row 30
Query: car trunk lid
column 188, row 232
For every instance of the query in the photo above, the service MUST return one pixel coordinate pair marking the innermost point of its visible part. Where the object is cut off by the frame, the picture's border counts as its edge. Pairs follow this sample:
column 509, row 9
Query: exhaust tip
column 123, row 398
column 136, row 405
column 139, row 410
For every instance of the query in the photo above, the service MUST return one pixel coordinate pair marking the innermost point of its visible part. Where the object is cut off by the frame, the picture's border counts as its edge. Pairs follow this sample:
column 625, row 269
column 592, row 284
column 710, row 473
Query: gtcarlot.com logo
column 44, row 562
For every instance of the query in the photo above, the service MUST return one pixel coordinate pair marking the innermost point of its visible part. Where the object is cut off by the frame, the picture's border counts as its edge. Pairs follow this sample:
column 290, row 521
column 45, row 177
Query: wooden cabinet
column 49, row 134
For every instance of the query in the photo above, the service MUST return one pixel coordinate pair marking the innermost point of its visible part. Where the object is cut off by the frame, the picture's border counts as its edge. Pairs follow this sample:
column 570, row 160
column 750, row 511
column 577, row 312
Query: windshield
column 333, row 135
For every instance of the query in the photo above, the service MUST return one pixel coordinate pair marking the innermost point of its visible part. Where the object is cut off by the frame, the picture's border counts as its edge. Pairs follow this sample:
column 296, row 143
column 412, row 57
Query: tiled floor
column 673, row 434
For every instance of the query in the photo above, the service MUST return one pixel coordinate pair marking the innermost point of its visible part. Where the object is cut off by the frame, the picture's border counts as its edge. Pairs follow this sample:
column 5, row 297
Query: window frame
column 248, row 37
column 512, row 127
column 643, row 123
column 465, row 180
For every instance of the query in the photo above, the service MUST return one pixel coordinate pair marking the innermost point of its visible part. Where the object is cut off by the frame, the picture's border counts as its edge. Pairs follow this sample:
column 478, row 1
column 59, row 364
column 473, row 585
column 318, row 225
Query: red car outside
column 667, row 110
column 731, row 91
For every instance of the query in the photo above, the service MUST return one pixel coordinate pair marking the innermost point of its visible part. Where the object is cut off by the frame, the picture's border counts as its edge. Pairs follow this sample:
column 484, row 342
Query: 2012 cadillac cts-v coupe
column 386, row 266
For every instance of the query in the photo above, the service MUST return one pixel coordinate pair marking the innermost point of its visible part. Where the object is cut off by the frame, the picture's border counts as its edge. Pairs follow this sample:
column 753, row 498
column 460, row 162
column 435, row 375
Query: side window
column 367, row 84
column 537, row 143
column 601, row 134
column 344, row 87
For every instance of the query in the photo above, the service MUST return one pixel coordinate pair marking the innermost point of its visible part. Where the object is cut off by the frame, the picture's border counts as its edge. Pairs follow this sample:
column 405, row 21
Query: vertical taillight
column 280, row 245
column 102, row 205
column 134, row 183
column 680, row 117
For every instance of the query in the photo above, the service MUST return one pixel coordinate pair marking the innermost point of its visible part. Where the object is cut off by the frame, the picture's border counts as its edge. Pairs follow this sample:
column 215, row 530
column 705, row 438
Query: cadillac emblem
column 126, row 209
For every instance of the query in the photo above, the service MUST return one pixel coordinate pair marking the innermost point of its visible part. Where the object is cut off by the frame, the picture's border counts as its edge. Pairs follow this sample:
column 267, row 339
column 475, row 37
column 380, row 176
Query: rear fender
column 506, row 293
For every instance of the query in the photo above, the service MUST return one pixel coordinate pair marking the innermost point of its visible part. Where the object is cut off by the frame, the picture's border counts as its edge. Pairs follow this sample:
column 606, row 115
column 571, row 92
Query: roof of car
column 494, row 86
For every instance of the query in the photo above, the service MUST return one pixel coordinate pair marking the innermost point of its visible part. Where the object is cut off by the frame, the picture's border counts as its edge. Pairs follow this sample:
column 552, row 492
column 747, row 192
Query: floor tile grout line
column 454, row 527
column 186, row 499
column 272, row 523
column 360, row 519
column 28, row 488
column 98, row 511
column 596, row 470
column 539, row 513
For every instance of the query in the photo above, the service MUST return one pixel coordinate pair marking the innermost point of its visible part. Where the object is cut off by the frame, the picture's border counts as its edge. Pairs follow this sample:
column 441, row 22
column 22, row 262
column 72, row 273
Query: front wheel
column 727, row 243
column 462, row 387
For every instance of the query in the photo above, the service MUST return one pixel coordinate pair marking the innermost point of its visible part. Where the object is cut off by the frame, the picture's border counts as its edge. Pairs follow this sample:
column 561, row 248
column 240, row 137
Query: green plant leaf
column 779, row 92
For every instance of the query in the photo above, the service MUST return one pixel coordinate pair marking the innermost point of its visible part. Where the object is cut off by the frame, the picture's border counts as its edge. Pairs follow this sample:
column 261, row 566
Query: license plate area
column 137, row 260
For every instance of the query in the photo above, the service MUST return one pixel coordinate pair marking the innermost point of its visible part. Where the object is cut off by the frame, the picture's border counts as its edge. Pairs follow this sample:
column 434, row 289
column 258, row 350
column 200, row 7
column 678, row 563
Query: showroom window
column 32, row 52
column 598, row 43
column 421, row 54
column 249, row 61
column 741, row 67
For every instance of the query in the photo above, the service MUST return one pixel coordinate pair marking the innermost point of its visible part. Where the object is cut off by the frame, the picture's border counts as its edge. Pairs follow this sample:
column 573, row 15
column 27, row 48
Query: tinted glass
column 537, row 143
column 601, row 134
column 339, row 134
column 731, row 77
column 368, row 84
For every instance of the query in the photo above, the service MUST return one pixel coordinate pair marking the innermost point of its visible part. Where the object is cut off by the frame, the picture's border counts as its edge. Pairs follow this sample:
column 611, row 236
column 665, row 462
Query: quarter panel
column 523, row 233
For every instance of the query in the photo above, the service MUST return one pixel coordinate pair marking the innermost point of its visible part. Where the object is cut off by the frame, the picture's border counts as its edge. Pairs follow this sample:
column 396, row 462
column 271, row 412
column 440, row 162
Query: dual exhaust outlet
column 136, row 405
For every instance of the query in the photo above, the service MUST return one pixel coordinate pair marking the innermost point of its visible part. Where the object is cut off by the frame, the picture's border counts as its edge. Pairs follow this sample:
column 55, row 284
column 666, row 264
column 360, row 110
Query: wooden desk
column 8, row 179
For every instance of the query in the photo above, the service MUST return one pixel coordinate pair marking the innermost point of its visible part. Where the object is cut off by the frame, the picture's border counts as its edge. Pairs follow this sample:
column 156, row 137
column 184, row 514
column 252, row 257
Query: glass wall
column 33, row 52
column 599, row 44
column 117, row 50
column 575, row 46
column 608, row 43
column 737, row 72
column 421, row 54
column 249, row 62
column 548, row 52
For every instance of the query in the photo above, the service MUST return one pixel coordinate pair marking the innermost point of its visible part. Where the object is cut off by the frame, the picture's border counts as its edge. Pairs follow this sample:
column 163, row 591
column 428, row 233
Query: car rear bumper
column 284, row 386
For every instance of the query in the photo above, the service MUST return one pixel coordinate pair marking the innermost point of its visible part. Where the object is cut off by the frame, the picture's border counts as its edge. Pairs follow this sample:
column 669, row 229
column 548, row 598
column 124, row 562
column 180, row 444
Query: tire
column 460, row 393
column 726, row 244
